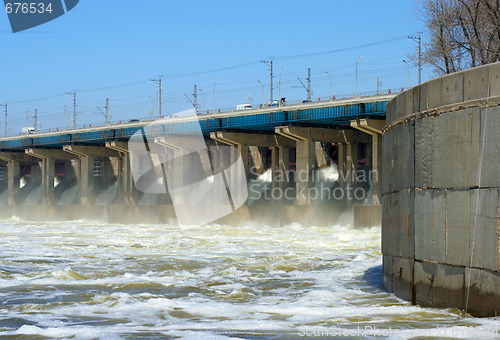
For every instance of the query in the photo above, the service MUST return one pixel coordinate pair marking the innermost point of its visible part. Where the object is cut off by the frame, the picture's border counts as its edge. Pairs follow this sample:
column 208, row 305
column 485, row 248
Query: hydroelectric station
column 86, row 172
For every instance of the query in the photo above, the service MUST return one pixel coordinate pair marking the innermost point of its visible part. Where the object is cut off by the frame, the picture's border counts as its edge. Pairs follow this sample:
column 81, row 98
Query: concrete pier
column 441, row 189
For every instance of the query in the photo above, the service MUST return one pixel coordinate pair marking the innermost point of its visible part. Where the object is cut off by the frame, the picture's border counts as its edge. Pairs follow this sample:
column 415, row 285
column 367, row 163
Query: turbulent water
column 106, row 281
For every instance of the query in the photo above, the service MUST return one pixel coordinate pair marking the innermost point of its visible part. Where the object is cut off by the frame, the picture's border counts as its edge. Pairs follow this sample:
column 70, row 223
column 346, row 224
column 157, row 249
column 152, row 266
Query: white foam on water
column 329, row 174
column 257, row 186
column 94, row 280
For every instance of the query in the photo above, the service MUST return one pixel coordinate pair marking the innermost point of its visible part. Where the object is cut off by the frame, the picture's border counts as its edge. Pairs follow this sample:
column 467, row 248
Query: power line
column 342, row 49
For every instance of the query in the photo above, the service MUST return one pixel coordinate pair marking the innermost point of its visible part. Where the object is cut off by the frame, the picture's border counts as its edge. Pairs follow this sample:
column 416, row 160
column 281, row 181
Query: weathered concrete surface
column 366, row 216
column 441, row 192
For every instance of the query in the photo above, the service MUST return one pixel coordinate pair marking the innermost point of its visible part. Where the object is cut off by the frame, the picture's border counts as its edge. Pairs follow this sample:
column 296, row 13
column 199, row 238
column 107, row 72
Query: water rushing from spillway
column 105, row 281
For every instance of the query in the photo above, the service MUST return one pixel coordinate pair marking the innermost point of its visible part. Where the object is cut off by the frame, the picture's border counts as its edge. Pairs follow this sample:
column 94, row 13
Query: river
column 93, row 280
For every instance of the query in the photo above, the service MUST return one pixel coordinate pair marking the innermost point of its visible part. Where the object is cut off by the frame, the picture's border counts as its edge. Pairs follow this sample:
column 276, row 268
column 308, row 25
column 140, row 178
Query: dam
column 86, row 172
column 437, row 196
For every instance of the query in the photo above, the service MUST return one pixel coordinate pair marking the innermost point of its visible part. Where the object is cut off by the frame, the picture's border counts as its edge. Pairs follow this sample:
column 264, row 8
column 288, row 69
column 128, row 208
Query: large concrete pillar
column 341, row 160
column 351, row 162
column 124, row 174
column 275, row 167
column 305, row 139
column 14, row 178
column 258, row 163
column 87, row 155
column 284, row 167
column 48, row 159
column 305, row 167
column 373, row 128
column 14, row 160
column 87, row 179
column 321, row 158
column 375, row 167
column 249, row 144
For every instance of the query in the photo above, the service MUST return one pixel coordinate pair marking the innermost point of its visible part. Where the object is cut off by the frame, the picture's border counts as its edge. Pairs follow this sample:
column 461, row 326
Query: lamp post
column 330, row 83
column 279, row 86
column 153, row 106
column 204, row 107
column 214, row 92
column 263, row 96
column 357, row 75
column 404, row 61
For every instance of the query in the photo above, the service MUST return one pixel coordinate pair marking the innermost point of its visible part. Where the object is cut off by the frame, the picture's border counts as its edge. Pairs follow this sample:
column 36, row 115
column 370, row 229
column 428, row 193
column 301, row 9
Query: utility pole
column 214, row 93
column 35, row 120
column 263, row 97
column 378, row 85
column 330, row 84
column 195, row 95
column 419, row 41
column 106, row 114
column 204, row 103
column 6, row 125
column 308, row 87
column 404, row 61
column 357, row 75
column 74, row 107
column 279, row 86
column 108, row 117
column 308, row 83
column 270, row 64
column 158, row 81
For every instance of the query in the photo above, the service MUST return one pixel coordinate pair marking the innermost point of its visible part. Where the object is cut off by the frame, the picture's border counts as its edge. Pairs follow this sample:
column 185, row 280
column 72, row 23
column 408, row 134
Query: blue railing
column 258, row 121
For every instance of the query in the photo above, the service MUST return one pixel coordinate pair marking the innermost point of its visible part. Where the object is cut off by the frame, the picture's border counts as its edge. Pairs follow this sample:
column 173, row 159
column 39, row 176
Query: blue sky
column 112, row 48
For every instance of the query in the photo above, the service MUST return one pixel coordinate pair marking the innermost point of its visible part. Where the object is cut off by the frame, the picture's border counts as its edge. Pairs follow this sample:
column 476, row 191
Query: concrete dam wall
column 441, row 192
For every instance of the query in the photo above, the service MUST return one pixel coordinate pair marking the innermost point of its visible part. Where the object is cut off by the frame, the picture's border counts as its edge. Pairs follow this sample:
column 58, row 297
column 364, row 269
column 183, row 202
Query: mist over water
column 107, row 196
column 94, row 280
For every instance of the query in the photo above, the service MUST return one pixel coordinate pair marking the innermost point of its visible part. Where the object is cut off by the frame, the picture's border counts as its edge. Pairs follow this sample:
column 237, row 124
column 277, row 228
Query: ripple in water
column 93, row 280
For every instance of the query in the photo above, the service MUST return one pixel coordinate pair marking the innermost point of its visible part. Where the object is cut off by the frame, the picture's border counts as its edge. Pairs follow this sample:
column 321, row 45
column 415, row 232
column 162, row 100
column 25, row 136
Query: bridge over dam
column 86, row 172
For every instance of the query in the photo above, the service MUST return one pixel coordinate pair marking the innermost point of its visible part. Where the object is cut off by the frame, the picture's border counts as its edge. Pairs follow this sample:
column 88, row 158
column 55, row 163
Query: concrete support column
column 205, row 161
column 47, row 175
column 321, row 159
column 48, row 165
column 275, row 167
column 341, row 151
column 284, row 167
column 243, row 149
column 126, row 185
column 369, row 153
column 77, row 170
column 305, row 167
column 13, row 180
column 374, row 129
column 86, row 179
column 258, row 164
column 305, row 139
column 87, row 155
column 376, row 144
column 125, row 181
column 351, row 163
